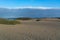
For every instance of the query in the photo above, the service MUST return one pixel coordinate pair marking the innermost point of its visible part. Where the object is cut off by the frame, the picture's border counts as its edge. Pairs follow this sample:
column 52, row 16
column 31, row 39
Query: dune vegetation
column 24, row 18
column 9, row 22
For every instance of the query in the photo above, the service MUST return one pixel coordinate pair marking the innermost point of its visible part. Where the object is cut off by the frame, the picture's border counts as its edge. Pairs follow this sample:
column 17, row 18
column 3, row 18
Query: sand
column 31, row 30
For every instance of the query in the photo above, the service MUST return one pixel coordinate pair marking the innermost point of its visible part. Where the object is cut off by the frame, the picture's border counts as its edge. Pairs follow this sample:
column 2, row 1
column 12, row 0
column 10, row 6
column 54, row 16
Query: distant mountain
column 27, row 12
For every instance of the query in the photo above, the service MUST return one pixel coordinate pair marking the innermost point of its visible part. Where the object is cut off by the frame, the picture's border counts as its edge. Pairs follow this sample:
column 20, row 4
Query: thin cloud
column 30, row 7
column 33, row 7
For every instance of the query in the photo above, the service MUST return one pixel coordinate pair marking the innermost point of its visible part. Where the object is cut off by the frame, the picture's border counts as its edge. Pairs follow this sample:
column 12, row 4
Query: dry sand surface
column 31, row 30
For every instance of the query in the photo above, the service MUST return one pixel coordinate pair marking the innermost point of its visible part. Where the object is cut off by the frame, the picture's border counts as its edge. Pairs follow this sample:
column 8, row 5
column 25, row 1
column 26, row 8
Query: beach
column 31, row 30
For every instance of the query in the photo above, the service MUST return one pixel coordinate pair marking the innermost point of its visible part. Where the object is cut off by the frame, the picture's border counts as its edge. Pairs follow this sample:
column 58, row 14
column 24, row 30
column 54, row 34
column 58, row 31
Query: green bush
column 9, row 22
column 23, row 18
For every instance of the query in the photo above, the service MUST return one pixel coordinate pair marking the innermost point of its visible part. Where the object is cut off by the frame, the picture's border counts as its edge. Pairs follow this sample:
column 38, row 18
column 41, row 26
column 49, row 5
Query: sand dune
column 31, row 30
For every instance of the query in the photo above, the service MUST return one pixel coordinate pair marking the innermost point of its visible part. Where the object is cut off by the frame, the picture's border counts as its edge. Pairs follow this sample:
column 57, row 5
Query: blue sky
column 30, row 3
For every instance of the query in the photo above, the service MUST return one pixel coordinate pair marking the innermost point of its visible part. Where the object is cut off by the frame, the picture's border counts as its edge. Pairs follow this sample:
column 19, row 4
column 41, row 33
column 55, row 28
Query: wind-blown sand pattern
column 31, row 30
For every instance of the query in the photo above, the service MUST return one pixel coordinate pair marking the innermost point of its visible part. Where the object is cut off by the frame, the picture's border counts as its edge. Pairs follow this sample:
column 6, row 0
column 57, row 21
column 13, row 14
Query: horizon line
column 31, row 7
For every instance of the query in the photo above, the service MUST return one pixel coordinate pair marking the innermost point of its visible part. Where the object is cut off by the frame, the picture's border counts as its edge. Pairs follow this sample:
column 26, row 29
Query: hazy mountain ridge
column 27, row 12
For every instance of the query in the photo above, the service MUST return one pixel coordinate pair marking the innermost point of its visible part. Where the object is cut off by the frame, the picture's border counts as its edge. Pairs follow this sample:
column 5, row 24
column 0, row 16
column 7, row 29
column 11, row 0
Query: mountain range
column 29, row 12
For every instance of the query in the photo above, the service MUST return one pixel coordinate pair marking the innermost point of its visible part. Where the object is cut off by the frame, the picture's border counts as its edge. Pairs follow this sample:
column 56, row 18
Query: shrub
column 37, row 20
column 9, row 22
column 23, row 18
